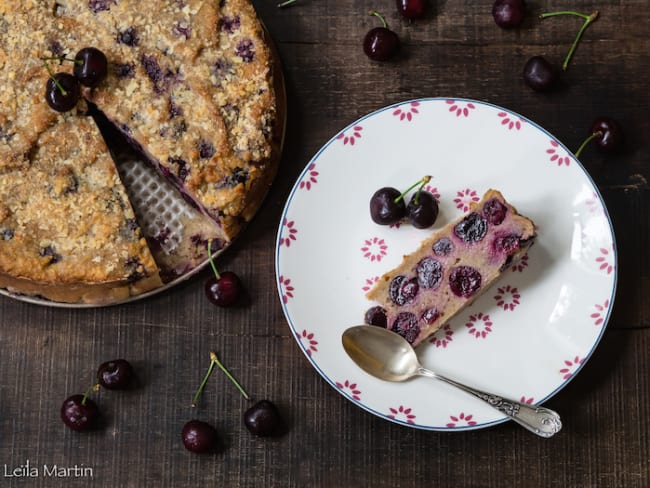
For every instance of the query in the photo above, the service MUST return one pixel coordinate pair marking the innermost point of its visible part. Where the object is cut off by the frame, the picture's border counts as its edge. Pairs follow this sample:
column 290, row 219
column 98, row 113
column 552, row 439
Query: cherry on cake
column 450, row 269
column 190, row 87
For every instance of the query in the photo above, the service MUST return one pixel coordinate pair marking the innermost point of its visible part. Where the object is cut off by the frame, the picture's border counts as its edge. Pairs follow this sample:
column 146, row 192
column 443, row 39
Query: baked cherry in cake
column 450, row 269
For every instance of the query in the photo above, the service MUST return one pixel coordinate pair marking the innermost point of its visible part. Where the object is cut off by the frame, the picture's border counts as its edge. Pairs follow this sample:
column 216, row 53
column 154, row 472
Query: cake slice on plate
column 450, row 269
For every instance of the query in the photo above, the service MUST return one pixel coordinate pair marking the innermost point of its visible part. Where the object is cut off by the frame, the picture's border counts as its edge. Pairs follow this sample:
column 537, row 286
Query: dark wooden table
column 49, row 353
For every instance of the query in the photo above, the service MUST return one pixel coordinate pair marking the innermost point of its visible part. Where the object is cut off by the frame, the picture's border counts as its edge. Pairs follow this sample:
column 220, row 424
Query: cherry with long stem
column 587, row 20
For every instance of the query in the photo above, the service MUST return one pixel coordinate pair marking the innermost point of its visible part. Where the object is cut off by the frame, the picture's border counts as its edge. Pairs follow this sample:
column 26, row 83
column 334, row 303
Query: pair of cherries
column 63, row 90
column 263, row 419
column 387, row 206
column 79, row 412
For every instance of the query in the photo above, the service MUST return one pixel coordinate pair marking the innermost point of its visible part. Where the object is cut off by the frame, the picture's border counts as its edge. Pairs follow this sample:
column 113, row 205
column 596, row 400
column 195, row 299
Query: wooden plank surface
column 49, row 353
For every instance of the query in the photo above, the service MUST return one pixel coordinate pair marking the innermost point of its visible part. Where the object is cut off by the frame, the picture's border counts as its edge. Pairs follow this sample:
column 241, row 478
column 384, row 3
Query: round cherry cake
column 188, row 85
column 450, row 269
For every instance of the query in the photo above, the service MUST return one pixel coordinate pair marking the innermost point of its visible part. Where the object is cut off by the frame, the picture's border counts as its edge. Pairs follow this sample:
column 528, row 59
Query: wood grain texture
column 47, row 353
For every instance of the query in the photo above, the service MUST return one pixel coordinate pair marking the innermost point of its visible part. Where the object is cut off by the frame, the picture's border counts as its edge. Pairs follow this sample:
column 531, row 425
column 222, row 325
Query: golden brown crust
column 192, row 82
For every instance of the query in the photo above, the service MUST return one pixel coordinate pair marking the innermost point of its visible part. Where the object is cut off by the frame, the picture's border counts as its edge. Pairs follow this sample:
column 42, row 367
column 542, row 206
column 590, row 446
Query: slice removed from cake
column 67, row 230
column 450, row 269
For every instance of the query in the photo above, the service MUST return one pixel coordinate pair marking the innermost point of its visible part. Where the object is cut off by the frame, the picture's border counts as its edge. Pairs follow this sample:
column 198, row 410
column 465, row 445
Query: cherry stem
column 587, row 141
column 56, row 82
column 588, row 19
column 381, row 17
column 94, row 387
column 208, row 373
column 287, row 3
column 60, row 59
column 212, row 265
column 420, row 182
column 215, row 360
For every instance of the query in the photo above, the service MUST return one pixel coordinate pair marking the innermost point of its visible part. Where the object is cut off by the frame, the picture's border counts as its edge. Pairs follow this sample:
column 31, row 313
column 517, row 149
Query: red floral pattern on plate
column 351, row 136
column 594, row 205
column 287, row 289
column 442, row 336
column 464, row 198
column 460, row 108
column 289, row 232
column 374, row 249
column 570, row 367
column 461, row 418
column 403, row 412
column 605, row 260
column 507, row 297
column 527, row 401
column 350, row 387
column 406, row 112
column 311, row 178
column 557, row 155
column 600, row 313
column 370, row 282
column 479, row 325
column 510, row 121
column 308, row 341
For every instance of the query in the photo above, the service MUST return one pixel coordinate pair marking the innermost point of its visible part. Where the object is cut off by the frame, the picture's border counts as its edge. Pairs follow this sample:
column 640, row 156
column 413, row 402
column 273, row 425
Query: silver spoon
column 388, row 356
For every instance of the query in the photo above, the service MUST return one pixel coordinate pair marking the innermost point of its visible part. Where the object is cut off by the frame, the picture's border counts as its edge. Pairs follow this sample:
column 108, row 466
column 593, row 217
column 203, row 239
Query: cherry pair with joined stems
column 79, row 412
column 63, row 90
column 387, row 206
column 262, row 418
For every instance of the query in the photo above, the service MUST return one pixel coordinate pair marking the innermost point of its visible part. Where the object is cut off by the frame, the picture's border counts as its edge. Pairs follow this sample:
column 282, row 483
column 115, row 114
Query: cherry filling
column 429, row 272
column 506, row 244
column 403, row 290
column 472, row 228
column 464, row 281
column 494, row 211
column 406, row 325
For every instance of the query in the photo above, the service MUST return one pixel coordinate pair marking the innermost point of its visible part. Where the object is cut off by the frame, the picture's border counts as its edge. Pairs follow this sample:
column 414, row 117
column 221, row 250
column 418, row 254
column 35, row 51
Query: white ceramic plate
column 527, row 336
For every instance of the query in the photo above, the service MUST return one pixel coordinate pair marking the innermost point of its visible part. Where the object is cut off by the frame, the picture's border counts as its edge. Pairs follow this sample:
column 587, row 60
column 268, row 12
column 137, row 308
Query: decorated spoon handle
column 539, row 420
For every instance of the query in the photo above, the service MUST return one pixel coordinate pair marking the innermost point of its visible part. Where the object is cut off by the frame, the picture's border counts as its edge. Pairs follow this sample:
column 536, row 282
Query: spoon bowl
column 388, row 356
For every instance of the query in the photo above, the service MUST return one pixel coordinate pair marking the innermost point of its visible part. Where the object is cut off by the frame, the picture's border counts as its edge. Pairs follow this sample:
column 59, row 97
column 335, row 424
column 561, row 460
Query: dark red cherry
column 508, row 13
column 90, row 66
column 263, row 419
column 375, row 316
column 412, row 9
column 224, row 290
column 406, row 325
column 380, row 43
column 386, row 206
column 422, row 210
column 464, row 281
column 611, row 134
column 79, row 412
column 403, row 290
column 199, row 437
column 115, row 374
column 62, row 92
column 539, row 74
